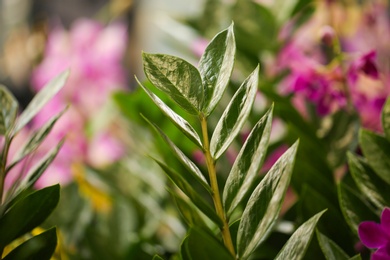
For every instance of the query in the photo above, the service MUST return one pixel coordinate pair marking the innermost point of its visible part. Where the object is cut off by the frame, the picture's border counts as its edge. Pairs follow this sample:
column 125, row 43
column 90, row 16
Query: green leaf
column 157, row 257
column 248, row 163
column 188, row 190
column 8, row 110
column 201, row 245
column 296, row 246
column 376, row 149
column 330, row 249
column 40, row 100
column 177, row 78
column 216, row 66
column 39, row 247
column 386, row 118
column 28, row 213
column 180, row 122
column 356, row 257
column 234, row 115
column 189, row 213
column 264, row 205
column 354, row 207
column 368, row 182
column 35, row 140
column 191, row 167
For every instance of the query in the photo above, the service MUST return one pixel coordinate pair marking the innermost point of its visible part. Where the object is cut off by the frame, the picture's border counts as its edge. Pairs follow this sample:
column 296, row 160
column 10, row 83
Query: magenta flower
column 365, row 64
column 377, row 236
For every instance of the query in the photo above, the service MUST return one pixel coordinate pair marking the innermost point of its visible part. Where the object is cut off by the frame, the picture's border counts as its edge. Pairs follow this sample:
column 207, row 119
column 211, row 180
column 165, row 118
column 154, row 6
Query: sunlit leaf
column 192, row 168
column 188, row 190
column 247, row 163
column 386, row 118
column 296, row 246
column 215, row 67
column 180, row 122
column 28, row 213
column 40, row 100
column 234, row 115
column 330, row 249
column 201, row 245
column 264, row 205
column 376, row 149
column 368, row 182
column 8, row 110
column 39, row 247
column 177, row 78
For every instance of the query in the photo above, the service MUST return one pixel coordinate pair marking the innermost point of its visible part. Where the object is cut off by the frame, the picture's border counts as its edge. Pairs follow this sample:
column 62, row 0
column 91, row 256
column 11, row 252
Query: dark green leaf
column 264, row 205
column 356, row 257
column 180, row 122
column 191, row 167
column 8, row 110
column 386, row 118
column 177, row 78
column 234, row 115
column 330, row 249
column 28, row 213
column 296, row 246
column 215, row 67
column 376, row 149
column 40, row 100
column 368, row 182
column 157, row 257
column 354, row 207
column 201, row 245
column 247, row 164
column 183, row 185
column 189, row 213
column 39, row 247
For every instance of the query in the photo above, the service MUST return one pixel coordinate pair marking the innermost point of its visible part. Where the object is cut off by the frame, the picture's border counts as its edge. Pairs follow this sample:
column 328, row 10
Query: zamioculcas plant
column 21, row 207
column 235, row 231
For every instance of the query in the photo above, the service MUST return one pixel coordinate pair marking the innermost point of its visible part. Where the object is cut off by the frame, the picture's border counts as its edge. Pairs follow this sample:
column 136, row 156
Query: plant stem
column 227, row 238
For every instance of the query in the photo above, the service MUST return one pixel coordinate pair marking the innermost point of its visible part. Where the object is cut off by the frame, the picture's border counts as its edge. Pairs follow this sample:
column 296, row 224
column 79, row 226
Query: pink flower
column 365, row 64
column 377, row 236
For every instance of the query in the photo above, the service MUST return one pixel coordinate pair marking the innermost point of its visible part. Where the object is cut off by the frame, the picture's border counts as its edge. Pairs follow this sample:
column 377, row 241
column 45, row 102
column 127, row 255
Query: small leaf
column 191, row 167
column 183, row 185
column 330, row 249
column 180, row 122
column 248, row 163
column 264, row 205
column 177, row 78
column 201, row 245
column 35, row 140
column 28, row 213
column 40, row 100
column 39, row 247
column 234, row 115
column 377, row 151
column 216, row 66
column 295, row 248
column 386, row 118
column 8, row 110
column 368, row 182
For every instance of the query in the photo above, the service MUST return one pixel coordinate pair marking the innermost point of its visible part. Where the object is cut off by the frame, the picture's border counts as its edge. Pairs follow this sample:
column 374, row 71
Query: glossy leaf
column 189, row 213
column 28, row 213
column 368, row 182
column 216, row 66
column 177, row 78
column 376, row 149
column 35, row 140
column 330, row 249
column 264, row 205
column 39, row 247
column 191, row 167
column 180, row 122
column 296, row 246
column 40, row 100
column 183, row 185
column 234, row 115
column 354, row 208
column 8, row 110
column 386, row 118
column 201, row 245
column 247, row 164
